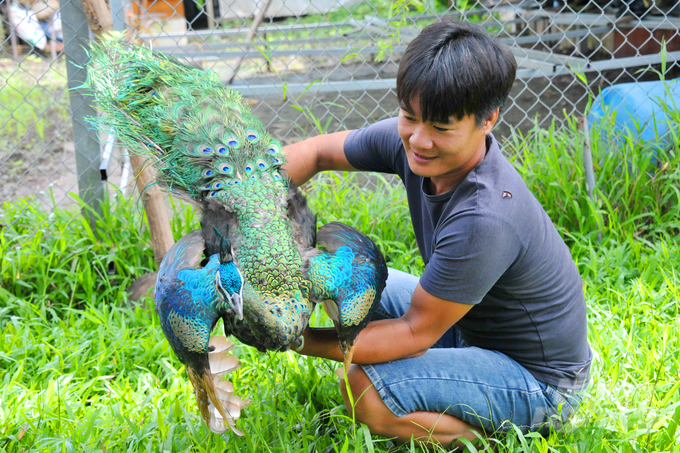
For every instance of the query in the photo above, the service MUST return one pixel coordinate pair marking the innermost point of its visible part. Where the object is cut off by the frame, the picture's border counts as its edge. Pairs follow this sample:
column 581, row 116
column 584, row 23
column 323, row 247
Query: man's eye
column 440, row 129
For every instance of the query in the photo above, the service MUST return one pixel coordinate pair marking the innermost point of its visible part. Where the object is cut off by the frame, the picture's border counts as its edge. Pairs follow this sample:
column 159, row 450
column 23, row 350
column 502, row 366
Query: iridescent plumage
column 209, row 148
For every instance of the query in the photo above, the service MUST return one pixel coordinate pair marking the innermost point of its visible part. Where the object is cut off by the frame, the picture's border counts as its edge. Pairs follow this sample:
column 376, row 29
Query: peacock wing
column 187, row 253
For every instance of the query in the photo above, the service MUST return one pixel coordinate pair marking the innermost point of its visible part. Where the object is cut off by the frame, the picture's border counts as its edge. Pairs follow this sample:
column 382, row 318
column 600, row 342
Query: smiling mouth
column 421, row 158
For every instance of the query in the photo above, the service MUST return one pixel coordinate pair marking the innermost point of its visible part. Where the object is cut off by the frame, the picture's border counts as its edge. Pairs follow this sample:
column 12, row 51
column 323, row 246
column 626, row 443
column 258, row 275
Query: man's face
column 443, row 152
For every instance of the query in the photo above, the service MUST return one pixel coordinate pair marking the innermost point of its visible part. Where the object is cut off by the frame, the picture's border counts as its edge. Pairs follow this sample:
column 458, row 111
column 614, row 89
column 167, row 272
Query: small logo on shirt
column 507, row 194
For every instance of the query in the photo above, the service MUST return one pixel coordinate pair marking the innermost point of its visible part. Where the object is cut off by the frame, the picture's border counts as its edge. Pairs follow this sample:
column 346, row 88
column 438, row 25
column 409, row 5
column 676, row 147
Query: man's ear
column 490, row 121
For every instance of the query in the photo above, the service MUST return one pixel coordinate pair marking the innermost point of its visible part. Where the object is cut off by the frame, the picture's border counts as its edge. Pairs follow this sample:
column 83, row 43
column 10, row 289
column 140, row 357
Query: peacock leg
column 348, row 354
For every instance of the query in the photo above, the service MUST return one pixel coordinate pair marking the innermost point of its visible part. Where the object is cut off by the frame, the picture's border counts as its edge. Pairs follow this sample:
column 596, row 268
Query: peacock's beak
column 235, row 300
column 237, row 305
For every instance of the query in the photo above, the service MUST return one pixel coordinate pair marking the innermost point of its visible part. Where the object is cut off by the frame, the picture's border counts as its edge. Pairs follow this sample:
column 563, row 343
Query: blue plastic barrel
column 637, row 107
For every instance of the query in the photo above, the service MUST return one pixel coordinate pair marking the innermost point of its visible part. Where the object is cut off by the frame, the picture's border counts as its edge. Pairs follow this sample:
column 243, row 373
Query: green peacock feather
column 264, row 273
column 207, row 145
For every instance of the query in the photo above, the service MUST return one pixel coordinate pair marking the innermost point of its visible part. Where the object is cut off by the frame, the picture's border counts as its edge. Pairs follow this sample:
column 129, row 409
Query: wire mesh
column 306, row 67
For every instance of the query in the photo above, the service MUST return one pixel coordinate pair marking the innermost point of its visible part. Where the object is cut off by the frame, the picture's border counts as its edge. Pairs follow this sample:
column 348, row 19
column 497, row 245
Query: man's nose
column 420, row 138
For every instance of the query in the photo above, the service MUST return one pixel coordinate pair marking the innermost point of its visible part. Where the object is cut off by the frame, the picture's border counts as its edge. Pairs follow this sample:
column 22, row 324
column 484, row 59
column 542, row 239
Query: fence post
column 118, row 14
column 76, row 38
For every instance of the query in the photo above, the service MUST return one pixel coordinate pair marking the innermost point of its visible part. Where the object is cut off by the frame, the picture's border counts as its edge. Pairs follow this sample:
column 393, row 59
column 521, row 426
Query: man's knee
column 369, row 408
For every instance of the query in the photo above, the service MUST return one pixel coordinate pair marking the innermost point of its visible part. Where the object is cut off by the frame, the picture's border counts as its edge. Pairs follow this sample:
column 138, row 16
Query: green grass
column 84, row 369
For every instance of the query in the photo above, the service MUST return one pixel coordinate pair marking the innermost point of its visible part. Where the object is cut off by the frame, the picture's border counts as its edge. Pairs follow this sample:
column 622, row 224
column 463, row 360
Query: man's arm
column 320, row 153
column 426, row 320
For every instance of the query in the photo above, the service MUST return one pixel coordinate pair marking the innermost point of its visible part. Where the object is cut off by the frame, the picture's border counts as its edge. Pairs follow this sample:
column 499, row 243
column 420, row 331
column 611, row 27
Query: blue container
column 637, row 109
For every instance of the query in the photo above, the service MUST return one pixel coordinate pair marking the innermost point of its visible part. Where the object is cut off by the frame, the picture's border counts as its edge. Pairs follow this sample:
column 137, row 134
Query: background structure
column 306, row 67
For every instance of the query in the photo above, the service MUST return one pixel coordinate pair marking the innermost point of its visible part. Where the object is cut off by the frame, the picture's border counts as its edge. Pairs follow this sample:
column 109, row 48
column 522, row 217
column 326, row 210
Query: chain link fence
column 305, row 66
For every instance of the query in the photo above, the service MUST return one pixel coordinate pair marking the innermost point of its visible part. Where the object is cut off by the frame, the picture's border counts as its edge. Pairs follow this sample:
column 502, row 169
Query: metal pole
column 587, row 156
column 76, row 38
column 117, row 14
column 210, row 12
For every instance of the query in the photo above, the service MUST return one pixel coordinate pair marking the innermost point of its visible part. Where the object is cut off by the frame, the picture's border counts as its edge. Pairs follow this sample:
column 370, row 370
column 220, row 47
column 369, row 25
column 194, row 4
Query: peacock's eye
column 207, row 150
column 249, row 168
column 208, row 173
column 252, row 136
column 273, row 148
column 225, row 168
column 276, row 160
column 261, row 165
column 222, row 150
column 277, row 176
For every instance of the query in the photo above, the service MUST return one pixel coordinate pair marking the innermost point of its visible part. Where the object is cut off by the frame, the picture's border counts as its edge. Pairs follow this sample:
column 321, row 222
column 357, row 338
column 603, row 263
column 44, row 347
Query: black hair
column 456, row 69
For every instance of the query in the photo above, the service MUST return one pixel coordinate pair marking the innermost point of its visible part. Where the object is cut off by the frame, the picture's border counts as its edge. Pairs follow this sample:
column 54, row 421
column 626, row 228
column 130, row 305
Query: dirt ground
column 50, row 173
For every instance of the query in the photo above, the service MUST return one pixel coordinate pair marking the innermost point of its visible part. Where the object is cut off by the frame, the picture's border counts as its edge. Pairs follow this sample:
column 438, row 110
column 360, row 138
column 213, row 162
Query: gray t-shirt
column 489, row 243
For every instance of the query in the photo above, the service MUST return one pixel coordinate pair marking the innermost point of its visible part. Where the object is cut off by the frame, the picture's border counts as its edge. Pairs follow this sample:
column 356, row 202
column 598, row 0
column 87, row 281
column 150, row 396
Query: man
column 496, row 267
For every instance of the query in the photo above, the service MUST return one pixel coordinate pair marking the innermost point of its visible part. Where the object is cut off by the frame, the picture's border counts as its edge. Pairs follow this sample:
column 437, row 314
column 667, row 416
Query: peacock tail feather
column 206, row 145
column 262, row 271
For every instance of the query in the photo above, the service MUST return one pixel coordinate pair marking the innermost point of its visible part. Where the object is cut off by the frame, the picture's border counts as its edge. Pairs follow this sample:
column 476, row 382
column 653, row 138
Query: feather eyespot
column 276, row 160
column 277, row 176
column 273, row 148
column 232, row 140
column 221, row 149
column 208, row 173
column 249, row 168
column 252, row 135
column 253, row 177
column 261, row 164
column 207, row 150
column 224, row 168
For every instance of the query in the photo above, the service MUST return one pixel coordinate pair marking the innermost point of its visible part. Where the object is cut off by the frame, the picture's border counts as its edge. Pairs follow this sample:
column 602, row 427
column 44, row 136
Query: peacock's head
column 229, row 282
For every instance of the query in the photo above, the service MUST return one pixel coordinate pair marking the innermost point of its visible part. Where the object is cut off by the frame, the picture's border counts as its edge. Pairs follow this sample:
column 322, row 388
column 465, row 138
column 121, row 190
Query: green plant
column 85, row 369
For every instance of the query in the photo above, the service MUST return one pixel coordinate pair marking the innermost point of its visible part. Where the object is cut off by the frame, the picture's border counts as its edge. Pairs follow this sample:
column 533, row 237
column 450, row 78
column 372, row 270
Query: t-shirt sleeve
column 375, row 148
column 470, row 256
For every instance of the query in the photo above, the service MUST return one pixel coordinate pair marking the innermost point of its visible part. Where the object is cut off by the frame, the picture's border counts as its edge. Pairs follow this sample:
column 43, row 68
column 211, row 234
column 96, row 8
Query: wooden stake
column 100, row 21
column 154, row 205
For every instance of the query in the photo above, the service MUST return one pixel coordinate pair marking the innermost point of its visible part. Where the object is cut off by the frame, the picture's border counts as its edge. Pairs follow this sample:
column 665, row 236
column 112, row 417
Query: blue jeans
column 482, row 387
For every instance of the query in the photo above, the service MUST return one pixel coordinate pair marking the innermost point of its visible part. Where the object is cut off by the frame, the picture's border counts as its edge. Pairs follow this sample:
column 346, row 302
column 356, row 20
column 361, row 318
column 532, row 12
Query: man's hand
column 426, row 320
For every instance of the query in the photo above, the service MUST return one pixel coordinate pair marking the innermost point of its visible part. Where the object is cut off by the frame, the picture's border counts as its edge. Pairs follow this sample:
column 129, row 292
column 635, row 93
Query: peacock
column 258, row 261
